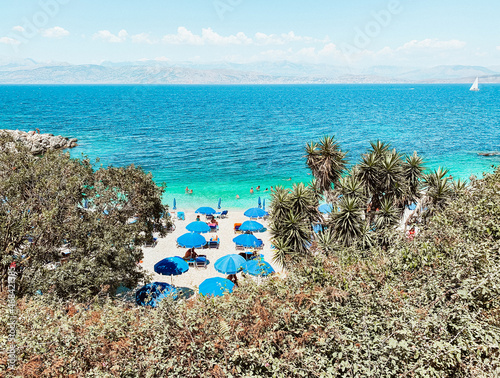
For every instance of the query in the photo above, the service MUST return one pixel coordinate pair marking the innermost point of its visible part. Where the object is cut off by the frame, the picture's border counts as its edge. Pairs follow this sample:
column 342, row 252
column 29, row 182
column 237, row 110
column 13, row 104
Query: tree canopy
column 368, row 199
column 53, row 204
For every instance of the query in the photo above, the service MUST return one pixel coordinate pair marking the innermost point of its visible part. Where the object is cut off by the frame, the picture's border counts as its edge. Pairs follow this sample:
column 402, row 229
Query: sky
column 410, row 33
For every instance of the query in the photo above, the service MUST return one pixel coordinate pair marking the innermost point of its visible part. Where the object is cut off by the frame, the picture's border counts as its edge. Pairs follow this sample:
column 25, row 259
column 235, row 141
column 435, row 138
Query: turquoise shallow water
column 222, row 140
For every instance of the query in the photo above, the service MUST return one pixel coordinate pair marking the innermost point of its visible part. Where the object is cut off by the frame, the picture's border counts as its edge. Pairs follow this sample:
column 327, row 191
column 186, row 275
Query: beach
column 166, row 247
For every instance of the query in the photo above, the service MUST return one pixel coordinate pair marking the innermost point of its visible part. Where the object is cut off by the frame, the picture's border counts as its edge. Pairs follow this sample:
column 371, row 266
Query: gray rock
column 39, row 143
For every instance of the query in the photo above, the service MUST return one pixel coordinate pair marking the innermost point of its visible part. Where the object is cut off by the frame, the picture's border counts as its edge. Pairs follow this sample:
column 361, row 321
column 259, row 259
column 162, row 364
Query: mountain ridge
column 284, row 72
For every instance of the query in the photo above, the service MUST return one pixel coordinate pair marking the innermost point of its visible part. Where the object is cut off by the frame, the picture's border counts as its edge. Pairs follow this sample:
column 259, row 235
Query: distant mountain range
column 163, row 72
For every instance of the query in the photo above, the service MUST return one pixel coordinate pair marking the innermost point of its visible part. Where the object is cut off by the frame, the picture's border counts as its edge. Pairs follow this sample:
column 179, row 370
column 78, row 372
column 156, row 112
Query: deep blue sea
column 222, row 140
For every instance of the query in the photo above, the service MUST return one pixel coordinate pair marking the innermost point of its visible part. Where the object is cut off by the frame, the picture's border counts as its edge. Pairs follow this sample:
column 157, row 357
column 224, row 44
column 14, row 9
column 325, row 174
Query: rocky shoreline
column 38, row 143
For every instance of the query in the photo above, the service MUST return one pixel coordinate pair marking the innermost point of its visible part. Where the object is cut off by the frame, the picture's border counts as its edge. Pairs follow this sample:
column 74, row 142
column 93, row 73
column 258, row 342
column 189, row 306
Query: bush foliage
column 53, row 204
column 422, row 307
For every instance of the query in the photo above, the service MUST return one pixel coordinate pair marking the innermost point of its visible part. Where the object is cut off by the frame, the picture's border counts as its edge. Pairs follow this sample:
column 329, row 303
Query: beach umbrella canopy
column 218, row 204
column 247, row 240
column 325, row 208
column 255, row 212
column 198, row 227
column 191, row 240
column 264, row 204
column 216, row 286
column 258, row 267
column 251, row 226
column 171, row 266
column 175, row 205
column 205, row 210
column 229, row 264
column 154, row 292
column 259, row 203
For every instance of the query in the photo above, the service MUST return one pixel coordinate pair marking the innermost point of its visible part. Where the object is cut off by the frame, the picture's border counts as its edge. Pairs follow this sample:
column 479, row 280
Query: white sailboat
column 475, row 86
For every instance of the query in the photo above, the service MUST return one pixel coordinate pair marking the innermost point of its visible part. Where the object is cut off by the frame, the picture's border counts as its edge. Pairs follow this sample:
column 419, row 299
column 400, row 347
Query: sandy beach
column 166, row 247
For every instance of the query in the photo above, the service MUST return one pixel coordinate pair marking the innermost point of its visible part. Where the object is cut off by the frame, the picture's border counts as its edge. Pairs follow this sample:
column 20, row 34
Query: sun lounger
column 201, row 261
column 213, row 228
column 180, row 215
column 237, row 228
column 214, row 244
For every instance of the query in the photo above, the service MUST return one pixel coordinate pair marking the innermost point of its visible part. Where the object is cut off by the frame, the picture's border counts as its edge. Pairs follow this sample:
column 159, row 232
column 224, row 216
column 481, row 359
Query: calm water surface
column 222, row 140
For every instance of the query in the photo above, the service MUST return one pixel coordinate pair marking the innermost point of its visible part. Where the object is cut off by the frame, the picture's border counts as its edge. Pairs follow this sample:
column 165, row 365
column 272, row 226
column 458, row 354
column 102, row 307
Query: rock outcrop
column 38, row 143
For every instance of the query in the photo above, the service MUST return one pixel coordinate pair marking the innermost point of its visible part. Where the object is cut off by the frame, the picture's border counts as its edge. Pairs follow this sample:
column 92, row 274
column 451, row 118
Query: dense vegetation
column 426, row 306
column 366, row 200
column 53, row 204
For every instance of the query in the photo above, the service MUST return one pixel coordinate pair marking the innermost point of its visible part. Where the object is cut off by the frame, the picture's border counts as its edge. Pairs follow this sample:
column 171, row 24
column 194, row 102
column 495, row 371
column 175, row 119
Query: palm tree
column 391, row 179
column 291, row 236
column 438, row 190
column 326, row 161
column 351, row 186
column 413, row 169
column 347, row 224
column 367, row 172
column 279, row 205
column 292, row 214
column 387, row 216
column 303, row 200
column 379, row 148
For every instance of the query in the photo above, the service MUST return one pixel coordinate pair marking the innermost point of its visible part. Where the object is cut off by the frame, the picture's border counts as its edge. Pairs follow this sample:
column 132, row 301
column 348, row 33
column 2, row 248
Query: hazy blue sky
column 338, row 32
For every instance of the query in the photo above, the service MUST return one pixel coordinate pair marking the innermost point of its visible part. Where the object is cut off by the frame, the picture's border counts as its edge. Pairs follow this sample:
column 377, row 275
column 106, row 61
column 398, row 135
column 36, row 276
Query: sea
column 220, row 141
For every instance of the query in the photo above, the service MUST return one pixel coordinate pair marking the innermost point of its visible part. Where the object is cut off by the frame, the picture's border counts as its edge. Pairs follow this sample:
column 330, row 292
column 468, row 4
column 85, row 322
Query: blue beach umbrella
column 218, row 204
column 229, row 264
column 255, row 212
column 325, row 208
column 251, row 226
column 171, row 266
column 247, row 240
column 175, row 205
column 264, row 204
column 205, row 210
column 154, row 292
column 198, row 227
column 191, row 240
column 259, row 203
column 216, row 286
column 258, row 267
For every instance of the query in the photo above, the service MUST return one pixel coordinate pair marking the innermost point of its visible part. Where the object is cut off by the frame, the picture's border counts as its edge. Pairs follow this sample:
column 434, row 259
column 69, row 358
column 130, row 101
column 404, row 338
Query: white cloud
column 281, row 39
column 107, row 36
column 183, row 37
column 429, row 43
column 211, row 37
column 19, row 28
column 207, row 37
column 9, row 41
column 268, row 39
column 142, row 38
column 329, row 50
column 55, row 32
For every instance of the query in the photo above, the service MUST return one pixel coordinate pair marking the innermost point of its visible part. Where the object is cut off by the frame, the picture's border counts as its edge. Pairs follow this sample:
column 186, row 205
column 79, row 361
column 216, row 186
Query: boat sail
column 475, row 86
